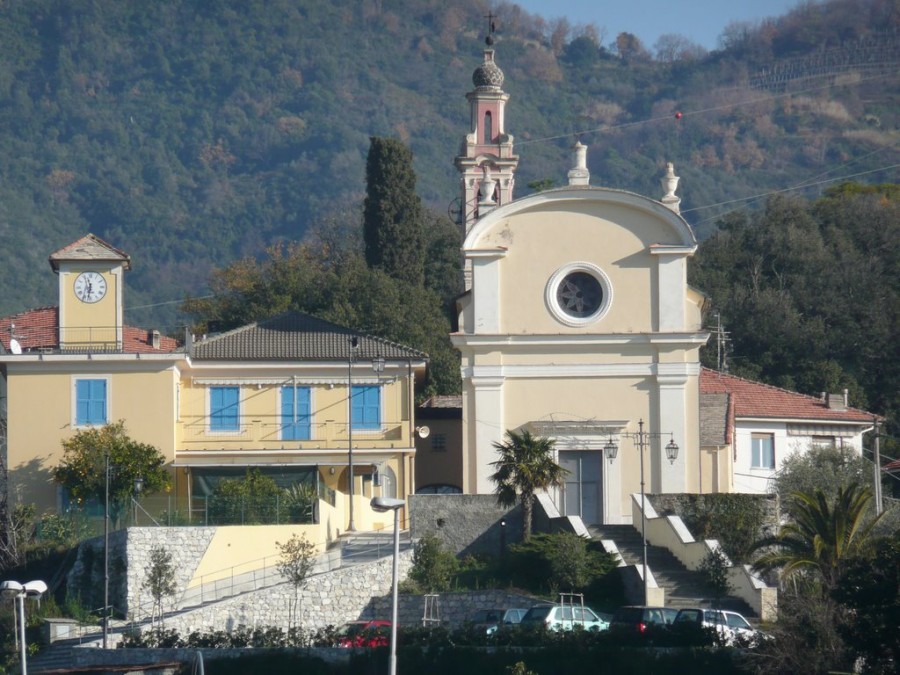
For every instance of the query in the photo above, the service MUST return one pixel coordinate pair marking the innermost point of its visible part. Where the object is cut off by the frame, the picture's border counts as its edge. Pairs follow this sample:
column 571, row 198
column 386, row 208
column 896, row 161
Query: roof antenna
column 492, row 28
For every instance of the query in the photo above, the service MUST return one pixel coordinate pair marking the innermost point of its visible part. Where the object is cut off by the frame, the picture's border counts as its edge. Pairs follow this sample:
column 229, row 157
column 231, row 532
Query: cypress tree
column 392, row 216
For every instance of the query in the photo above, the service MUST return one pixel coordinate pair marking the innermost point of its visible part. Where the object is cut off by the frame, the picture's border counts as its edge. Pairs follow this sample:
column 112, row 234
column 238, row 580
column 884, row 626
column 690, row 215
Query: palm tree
column 526, row 465
column 822, row 536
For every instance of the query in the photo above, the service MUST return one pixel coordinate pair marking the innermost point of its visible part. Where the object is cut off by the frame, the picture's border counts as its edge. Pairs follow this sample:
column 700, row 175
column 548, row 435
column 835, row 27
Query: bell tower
column 486, row 162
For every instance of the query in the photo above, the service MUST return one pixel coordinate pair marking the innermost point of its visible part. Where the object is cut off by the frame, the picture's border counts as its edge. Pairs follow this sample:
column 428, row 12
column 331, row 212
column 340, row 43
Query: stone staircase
column 684, row 588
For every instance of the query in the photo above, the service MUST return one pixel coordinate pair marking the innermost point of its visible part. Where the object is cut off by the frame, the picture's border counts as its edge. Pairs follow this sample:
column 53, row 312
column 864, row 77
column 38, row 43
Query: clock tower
column 90, row 294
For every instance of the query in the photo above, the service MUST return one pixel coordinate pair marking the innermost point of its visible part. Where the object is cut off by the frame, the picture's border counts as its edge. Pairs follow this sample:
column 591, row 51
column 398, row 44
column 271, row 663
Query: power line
column 702, row 111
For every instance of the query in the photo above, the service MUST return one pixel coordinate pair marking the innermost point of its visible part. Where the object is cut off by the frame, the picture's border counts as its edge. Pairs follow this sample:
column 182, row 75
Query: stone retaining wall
column 467, row 524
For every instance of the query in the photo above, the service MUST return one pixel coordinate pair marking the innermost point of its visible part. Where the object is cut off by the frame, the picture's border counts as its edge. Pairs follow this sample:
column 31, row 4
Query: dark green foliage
column 252, row 500
column 335, row 284
column 526, row 465
column 392, row 213
column 714, row 568
column 550, row 563
column 805, row 639
column 869, row 592
column 82, row 470
column 825, row 532
column 820, row 468
column 810, row 293
column 193, row 134
column 433, row 565
column 735, row 520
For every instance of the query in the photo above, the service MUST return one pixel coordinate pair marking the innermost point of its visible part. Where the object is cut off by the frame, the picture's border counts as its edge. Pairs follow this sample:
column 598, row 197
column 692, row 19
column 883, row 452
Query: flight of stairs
column 684, row 588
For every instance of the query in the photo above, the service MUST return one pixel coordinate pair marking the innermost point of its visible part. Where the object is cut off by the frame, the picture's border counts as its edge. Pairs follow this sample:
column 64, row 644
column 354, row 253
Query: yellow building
column 272, row 396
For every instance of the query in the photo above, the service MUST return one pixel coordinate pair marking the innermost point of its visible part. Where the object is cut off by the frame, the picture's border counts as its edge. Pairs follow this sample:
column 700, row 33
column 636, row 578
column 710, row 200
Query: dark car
column 373, row 633
column 641, row 618
column 491, row 619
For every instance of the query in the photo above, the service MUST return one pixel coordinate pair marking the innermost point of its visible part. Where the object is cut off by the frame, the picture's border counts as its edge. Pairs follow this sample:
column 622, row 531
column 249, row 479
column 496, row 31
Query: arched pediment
column 588, row 200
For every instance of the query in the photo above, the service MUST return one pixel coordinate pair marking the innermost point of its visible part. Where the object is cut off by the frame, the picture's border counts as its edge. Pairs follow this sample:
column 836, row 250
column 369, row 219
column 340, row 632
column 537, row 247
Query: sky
column 702, row 21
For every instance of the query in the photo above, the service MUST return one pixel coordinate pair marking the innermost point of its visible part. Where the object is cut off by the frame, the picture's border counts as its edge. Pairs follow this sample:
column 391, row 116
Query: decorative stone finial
column 486, row 190
column 579, row 174
column 669, row 184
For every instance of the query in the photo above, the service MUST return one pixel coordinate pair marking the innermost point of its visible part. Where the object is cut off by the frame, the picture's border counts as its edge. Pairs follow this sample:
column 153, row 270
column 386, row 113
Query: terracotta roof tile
column 754, row 399
column 39, row 329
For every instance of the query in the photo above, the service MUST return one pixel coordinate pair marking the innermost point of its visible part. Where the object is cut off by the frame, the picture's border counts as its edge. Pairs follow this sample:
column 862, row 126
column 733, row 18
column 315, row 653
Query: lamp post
column 106, row 549
column 383, row 505
column 18, row 592
column 642, row 439
column 138, row 486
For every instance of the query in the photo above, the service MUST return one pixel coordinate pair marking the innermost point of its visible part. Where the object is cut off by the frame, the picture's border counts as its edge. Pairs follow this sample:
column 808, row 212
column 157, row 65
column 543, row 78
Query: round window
column 579, row 294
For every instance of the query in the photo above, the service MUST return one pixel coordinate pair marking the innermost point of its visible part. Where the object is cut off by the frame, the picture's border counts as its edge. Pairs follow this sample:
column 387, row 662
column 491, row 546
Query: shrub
column 433, row 566
column 552, row 562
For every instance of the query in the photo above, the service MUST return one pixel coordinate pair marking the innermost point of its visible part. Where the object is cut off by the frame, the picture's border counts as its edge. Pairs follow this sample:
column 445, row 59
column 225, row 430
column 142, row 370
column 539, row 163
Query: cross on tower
column 492, row 27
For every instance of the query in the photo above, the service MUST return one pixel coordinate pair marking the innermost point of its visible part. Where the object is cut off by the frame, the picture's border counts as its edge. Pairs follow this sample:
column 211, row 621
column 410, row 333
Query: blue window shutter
column 223, row 409
column 295, row 429
column 366, row 407
column 90, row 402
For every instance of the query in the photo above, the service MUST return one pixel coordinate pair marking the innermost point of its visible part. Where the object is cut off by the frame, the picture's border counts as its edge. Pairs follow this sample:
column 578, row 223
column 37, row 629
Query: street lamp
column 18, row 592
column 383, row 505
column 642, row 438
column 138, row 487
column 378, row 367
column 106, row 549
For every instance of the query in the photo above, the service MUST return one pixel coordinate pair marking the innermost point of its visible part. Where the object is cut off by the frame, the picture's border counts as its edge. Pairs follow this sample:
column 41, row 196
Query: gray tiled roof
column 90, row 248
column 295, row 336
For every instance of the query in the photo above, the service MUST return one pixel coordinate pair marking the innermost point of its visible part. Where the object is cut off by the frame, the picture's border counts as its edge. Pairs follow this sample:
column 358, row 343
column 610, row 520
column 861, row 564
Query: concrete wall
column 468, row 524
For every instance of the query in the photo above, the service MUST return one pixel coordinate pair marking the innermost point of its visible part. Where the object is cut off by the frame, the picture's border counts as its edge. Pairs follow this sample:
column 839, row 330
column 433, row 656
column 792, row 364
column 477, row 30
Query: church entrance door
column 583, row 487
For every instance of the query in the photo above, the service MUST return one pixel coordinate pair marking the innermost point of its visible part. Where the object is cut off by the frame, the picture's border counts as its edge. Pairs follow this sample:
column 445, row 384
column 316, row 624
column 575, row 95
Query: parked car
column 565, row 617
column 729, row 625
column 492, row 619
column 642, row 618
column 373, row 633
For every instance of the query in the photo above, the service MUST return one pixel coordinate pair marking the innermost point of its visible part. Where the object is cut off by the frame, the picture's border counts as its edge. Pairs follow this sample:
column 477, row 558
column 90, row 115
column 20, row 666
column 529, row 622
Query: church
column 577, row 324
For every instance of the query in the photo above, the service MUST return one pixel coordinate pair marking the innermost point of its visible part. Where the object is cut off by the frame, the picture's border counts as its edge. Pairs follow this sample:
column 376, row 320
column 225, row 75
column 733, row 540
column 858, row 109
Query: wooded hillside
column 191, row 133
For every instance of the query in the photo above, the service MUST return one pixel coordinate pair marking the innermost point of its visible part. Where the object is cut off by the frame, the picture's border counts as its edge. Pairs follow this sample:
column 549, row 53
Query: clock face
column 90, row 287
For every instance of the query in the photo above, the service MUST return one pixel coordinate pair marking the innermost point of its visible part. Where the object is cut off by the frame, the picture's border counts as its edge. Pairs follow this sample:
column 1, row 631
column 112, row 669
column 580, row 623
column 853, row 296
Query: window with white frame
column 762, row 451
column 365, row 408
column 224, row 409
column 91, row 402
column 295, row 412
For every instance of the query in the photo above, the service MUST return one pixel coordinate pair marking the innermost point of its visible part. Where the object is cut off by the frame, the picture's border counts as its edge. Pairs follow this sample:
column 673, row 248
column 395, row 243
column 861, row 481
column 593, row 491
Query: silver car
column 565, row 617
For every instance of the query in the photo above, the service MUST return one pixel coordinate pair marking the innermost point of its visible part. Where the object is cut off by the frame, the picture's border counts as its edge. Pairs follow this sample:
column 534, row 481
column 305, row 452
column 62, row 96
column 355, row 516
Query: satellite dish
column 423, row 432
column 14, row 346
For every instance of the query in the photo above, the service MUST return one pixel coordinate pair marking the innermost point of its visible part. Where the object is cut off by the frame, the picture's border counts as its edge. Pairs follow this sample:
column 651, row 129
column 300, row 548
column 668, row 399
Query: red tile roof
column 39, row 329
column 754, row 399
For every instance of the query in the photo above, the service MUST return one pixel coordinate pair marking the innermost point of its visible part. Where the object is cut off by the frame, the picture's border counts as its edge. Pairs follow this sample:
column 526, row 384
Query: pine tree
column 392, row 216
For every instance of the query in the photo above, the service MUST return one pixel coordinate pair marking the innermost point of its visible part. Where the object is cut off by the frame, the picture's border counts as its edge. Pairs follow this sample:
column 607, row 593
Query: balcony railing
column 90, row 339
column 274, row 434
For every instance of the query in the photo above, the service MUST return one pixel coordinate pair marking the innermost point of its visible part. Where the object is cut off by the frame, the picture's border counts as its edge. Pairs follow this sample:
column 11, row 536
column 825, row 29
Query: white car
column 565, row 617
column 730, row 625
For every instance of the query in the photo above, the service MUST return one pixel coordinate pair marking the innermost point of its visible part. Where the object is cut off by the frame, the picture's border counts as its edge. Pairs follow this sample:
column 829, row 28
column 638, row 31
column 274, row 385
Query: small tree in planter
column 297, row 560
column 715, row 572
column 160, row 580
